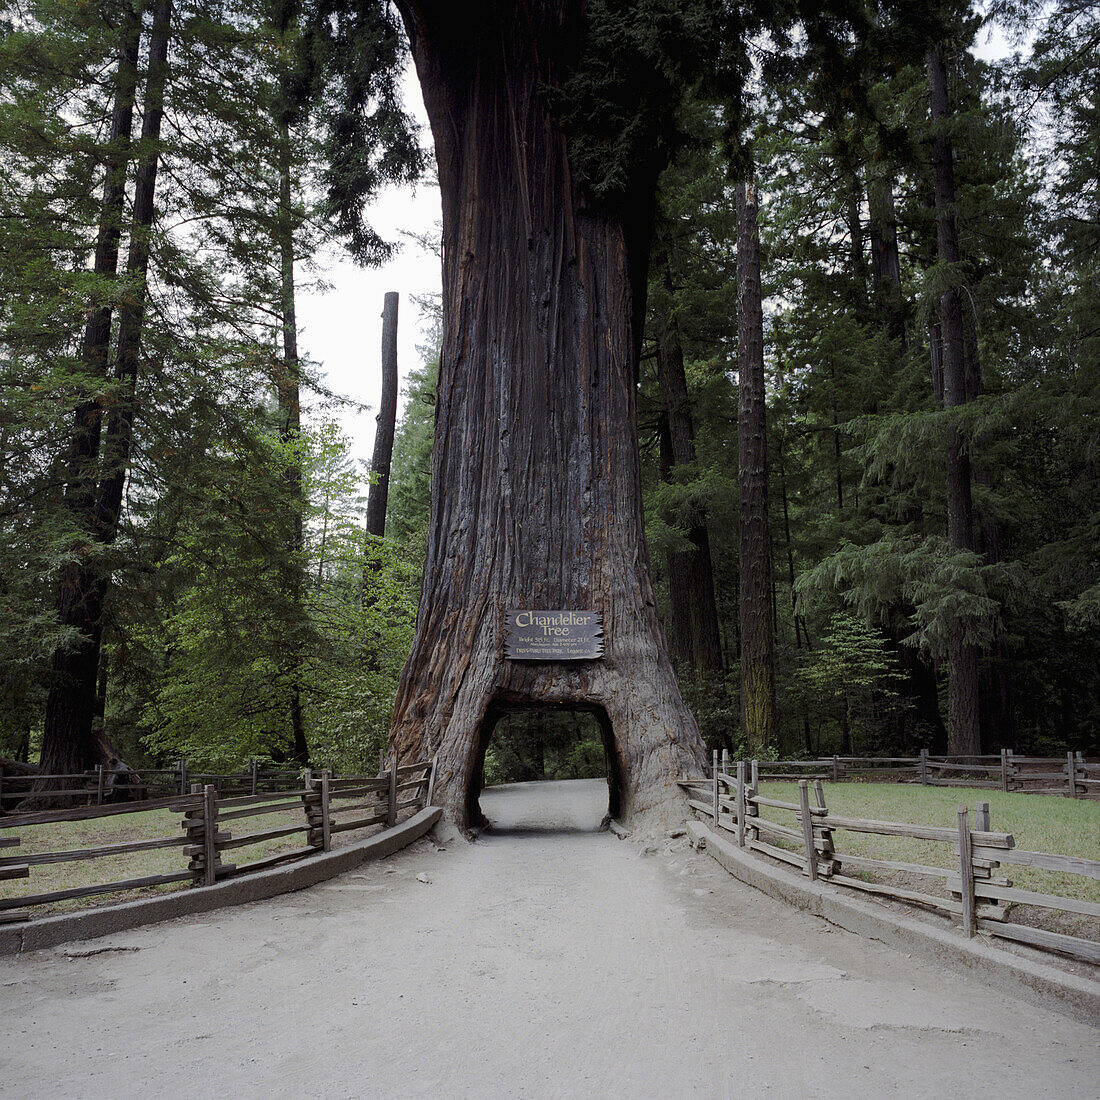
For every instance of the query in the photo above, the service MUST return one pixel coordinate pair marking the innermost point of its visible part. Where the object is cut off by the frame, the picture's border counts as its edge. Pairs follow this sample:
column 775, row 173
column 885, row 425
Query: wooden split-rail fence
column 331, row 806
column 100, row 786
column 1071, row 776
column 979, row 896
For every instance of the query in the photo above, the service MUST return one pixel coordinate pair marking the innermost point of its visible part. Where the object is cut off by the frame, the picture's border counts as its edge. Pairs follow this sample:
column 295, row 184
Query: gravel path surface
column 546, row 960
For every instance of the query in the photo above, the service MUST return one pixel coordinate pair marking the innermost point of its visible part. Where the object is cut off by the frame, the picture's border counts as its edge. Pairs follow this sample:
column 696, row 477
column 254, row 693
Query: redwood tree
column 535, row 472
column 697, row 642
column 963, row 728
column 70, row 743
column 758, row 706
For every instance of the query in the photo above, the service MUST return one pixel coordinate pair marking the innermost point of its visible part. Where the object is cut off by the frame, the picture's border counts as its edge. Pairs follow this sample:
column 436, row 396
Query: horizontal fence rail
column 329, row 806
column 973, row 891
column 1071, row 775
column 102, row 785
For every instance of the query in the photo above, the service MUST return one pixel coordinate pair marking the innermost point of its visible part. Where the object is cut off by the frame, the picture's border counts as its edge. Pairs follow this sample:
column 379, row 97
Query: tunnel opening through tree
column 535, row 742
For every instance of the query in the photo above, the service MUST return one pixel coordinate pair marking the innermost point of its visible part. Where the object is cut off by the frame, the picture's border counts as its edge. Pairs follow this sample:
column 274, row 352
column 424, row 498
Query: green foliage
column 854, row 667
column 205, row 640
column 411, row 468
column 224, row 695
column 215, row 618
column 620, row 102
column 533, row 745
column 350, row 59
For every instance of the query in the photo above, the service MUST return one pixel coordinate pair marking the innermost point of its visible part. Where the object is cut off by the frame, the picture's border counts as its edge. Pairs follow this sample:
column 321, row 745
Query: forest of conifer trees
column 868, row 395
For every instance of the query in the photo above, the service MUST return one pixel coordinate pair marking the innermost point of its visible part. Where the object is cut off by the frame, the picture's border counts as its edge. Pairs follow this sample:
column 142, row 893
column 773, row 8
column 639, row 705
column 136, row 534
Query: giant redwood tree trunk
column 536, row 498
column 759, row 716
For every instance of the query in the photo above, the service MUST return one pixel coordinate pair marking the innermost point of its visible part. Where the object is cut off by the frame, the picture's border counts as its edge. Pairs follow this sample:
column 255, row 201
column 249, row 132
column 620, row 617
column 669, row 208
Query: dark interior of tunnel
column 531, row 742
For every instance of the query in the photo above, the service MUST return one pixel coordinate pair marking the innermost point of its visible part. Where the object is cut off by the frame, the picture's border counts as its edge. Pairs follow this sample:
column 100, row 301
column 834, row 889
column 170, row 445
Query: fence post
column 755, row 772
column 183, row 777
column 725, row 761
column 924, row 767
column 828, row 851
column 807, row 828
column 194, row 824
column 741, row 803
column 99, row 784
column 1071, row 776
column 431, row 782
column 752, row 809
column 714, row 788
column 819, row 793
column 326, row 820
column 210, row 833
column 1004, row 769
column 315, row 816
column 966, row 874
column 253, row 775
column 981, row 817
column 836, row 768
column 381, row 762
column 391, row 809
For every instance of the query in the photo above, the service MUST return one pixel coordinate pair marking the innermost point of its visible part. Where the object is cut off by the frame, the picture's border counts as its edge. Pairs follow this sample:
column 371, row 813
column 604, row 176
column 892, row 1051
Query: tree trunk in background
column 386, row 422
column 759, row 721
column 70, row 744
column 963, row 728
column 885, row 258
column 288, row 393
column 536, row 493
column 691, row 575
column 120, row 424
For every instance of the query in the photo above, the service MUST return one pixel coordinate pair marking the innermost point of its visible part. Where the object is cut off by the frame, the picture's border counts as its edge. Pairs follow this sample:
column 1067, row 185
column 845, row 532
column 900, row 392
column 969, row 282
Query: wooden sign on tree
column 553, row 635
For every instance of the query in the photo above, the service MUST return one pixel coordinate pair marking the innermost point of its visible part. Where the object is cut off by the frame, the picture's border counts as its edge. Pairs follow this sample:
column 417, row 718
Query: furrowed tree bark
column 536, row 499
column 963, row 726
column 759, row 723
column 69, row 741
column 386, row 422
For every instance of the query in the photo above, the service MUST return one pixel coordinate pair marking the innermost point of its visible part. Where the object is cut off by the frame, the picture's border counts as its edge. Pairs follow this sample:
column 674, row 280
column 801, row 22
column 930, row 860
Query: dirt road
column 547, row 960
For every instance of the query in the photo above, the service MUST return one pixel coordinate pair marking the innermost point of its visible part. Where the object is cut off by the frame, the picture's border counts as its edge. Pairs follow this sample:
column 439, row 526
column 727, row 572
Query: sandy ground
column 546, row 960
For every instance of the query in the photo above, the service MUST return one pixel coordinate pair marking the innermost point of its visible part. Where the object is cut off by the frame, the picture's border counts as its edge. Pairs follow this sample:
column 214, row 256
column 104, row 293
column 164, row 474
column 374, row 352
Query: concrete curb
column 1033, row 980
column 92, row 923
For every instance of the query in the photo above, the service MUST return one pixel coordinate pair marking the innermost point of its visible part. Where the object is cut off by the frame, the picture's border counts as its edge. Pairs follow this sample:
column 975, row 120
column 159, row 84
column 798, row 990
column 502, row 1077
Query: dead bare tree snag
column 536, row 498
column 387, row 419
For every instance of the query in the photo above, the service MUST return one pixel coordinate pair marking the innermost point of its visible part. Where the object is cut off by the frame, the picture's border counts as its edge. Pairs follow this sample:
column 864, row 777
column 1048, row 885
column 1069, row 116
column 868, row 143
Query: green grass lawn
column 1038, row 823
column 97, row 832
